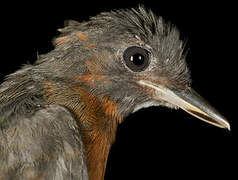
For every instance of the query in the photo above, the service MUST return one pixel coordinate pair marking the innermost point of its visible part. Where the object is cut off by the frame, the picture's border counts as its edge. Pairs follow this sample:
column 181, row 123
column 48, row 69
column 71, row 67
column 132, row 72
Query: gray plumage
column 46, row 145
column 41, row 112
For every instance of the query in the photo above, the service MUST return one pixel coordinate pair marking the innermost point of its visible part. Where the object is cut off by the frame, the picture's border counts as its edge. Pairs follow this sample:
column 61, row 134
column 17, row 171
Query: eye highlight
column 136, row 58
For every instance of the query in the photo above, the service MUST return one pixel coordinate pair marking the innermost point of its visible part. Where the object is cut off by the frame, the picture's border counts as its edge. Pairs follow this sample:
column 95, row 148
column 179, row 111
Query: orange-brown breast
column 97, row 118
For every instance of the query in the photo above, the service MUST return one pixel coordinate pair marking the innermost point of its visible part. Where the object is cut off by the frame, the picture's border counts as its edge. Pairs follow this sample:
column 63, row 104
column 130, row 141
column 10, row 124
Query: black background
column 154, row 142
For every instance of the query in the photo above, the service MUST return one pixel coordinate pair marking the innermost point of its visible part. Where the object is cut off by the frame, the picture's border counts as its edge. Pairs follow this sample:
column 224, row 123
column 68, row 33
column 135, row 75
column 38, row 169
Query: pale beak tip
column 228, row 126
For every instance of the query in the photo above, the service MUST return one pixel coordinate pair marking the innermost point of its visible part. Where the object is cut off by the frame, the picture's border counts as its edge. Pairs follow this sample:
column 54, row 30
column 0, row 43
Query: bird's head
column 133, row 58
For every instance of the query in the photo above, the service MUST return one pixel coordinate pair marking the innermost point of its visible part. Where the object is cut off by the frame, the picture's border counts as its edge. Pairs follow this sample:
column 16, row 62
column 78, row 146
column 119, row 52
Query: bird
column 59, row 115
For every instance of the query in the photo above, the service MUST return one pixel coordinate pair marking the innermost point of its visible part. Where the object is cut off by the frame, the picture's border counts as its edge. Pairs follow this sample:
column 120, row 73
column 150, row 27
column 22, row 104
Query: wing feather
column 46, row 145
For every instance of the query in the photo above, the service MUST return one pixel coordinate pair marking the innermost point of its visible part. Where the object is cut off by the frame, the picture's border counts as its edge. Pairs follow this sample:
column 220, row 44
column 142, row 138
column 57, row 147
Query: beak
column 189, row 101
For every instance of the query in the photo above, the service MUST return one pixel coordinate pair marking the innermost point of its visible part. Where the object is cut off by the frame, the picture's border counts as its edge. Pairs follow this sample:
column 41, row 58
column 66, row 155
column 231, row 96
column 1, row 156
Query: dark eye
column 136, row 58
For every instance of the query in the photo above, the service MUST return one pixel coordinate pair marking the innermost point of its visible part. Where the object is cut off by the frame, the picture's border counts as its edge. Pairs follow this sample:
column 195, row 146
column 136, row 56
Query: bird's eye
column 136, row 58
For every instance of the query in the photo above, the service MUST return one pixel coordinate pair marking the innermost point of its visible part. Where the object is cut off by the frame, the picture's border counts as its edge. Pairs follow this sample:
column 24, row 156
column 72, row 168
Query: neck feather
column 97, row 118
